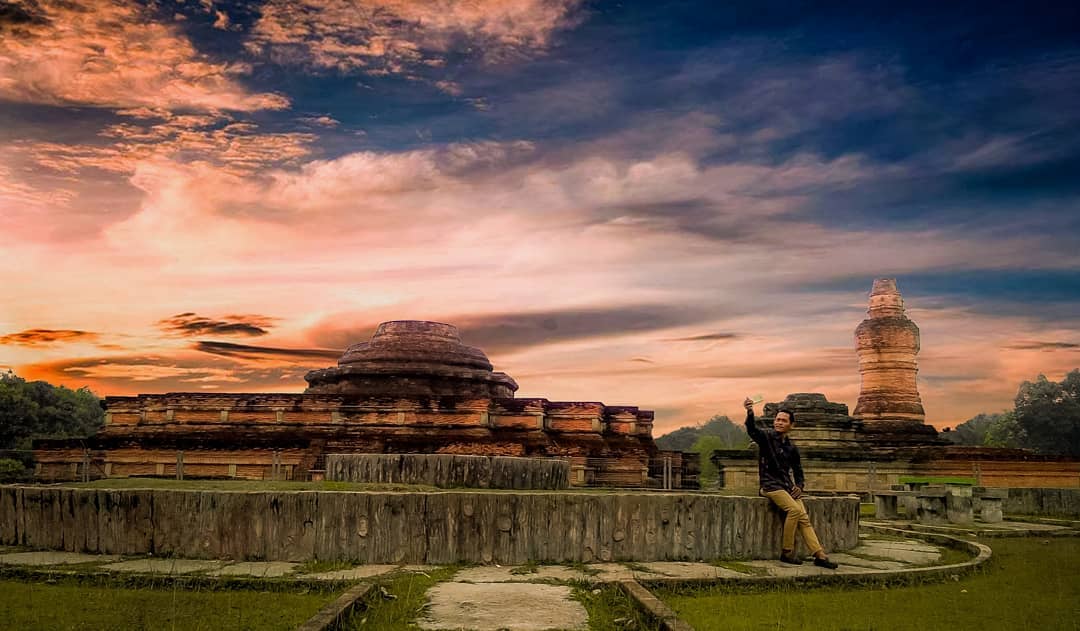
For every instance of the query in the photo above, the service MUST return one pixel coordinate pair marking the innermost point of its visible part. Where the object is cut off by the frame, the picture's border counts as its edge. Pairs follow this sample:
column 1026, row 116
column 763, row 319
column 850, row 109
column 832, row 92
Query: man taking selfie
column 781, row 476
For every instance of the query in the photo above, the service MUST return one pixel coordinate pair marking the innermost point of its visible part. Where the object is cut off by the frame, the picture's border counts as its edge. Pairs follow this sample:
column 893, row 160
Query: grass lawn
column 1028, row 584
column 242, row 485
column 398, row 601
column 70, row 605
column 298, row 485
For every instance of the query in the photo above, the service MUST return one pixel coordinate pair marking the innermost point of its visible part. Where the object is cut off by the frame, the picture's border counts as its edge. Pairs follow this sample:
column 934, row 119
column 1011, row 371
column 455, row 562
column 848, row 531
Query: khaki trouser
column 796, row 518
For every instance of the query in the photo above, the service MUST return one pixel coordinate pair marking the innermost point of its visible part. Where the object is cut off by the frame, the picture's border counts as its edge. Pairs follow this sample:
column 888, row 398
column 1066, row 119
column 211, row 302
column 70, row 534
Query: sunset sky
column 662, row 204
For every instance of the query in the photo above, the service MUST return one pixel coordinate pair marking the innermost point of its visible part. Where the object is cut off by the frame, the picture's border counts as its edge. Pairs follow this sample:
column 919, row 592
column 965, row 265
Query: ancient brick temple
column 886, row 439
column 413, row 388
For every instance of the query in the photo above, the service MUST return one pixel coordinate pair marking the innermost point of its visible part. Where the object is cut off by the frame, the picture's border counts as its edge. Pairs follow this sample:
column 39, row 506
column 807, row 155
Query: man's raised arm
column 751, row 427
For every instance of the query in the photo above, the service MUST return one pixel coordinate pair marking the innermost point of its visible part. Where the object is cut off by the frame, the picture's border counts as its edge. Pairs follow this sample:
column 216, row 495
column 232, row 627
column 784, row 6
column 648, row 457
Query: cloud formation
column 262, row 353
column 114, row 54
column 401, row 36
column 35, row 337
column 190, row 325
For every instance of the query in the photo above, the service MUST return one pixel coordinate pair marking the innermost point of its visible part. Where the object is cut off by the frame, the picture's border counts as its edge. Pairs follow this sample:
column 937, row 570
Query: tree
column 681, row 439
column 972, row 431
column 37, row 409
column 1005, row 431
column 718, row 433
column 1049, row 414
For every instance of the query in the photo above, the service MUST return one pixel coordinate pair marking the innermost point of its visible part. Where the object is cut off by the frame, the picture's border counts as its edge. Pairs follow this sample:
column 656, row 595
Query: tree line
column 38, row 409
column 1045, row 418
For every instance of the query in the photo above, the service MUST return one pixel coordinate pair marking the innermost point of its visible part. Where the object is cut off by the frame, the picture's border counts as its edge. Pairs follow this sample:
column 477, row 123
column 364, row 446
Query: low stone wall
column 1050, row 502
column 449, row 471
column 438, row 527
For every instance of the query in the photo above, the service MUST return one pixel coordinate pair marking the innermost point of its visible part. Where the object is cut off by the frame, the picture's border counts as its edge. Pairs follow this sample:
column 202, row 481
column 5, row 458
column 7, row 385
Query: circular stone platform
column 409, row 359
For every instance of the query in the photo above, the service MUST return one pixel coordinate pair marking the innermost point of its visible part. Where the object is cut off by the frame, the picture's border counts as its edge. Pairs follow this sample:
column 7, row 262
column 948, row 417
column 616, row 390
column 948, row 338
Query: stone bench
column 885, row 503
column 931, row 505
column 990, row 503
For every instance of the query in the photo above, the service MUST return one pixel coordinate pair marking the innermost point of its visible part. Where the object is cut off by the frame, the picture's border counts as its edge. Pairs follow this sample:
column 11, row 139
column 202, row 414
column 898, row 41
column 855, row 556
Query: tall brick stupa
column 887, row 342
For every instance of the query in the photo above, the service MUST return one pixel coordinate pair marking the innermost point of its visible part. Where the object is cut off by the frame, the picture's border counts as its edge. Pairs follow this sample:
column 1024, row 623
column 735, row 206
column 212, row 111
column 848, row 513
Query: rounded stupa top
column 416, row 341
column 885, row 299
column 412, row 358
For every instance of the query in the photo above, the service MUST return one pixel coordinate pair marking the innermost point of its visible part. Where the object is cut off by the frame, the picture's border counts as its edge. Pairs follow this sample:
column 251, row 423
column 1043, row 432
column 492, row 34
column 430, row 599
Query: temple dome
column 412, row 358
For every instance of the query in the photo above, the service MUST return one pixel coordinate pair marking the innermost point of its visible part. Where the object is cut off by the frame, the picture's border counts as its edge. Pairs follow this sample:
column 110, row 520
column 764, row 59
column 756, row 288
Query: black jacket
column 778, row 458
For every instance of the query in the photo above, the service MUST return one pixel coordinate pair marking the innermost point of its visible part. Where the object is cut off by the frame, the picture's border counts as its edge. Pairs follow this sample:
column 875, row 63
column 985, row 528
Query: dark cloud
column 1035, row 345
column 507, row 332
column 14, row 15
column 190, row 324
column 709, row 337
column 695, row 216
column 35, row 337
column 513, row 331
column 1048, row 295
column 263, row 353
column 153, row 373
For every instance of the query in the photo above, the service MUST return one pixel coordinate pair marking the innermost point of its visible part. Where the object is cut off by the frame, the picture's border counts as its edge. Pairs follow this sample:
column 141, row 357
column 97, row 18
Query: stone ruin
column 886, row 438
column 414, row 388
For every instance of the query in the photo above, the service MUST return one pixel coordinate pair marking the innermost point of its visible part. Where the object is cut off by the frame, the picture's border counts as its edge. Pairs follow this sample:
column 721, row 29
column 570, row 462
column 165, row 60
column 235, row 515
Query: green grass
column 612, row 610
column 1028, row 584
column 581, row 567
column 936, row 480
column 316, row 566
column 867, row 510
column 297, row 485
column 398, row 600
column 243, row 485
column 71, row 605
column 529, row 567
column 742, row 568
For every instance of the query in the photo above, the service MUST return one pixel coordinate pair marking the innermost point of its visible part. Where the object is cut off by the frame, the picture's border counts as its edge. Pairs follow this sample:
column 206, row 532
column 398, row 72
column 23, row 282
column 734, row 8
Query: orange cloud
column 35, row 337
column 237, row 146
column 392, row 36
column 190, row 324
column 111, row 53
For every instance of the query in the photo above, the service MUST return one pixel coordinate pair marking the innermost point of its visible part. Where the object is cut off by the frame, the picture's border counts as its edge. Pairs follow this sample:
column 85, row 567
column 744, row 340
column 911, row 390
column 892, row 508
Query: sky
column 664, row 204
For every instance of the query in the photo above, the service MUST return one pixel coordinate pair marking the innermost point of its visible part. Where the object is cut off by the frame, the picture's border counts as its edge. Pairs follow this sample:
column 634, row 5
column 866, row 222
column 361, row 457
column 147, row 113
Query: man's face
column 782, row 423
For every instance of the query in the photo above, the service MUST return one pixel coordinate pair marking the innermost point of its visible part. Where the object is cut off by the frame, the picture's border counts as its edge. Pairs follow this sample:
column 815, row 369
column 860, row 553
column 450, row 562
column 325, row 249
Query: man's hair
column 789, row 412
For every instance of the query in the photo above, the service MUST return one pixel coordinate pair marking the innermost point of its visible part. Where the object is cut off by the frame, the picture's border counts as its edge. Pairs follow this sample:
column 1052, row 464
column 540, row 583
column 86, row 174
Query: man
column 781, row 475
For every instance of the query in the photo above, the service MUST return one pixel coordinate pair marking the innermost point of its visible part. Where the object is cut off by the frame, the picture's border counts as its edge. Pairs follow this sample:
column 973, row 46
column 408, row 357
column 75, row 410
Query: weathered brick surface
column 395, row 394
column 443, row 527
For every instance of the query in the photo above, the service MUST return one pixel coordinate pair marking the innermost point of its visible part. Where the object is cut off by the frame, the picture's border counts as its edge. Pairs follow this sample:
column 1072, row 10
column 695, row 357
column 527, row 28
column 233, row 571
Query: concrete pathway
column 1048, row 527
column 163, row 566
column 523, row 598
column 495, row 606
column 54, row 558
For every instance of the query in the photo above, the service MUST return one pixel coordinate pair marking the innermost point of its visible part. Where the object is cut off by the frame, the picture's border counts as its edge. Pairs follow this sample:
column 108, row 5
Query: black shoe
column 826, row 563
column 790, row 558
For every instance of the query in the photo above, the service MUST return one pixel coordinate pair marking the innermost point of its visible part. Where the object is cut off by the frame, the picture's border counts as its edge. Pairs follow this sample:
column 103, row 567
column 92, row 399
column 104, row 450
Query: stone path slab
column 507, row 574
column 495, row 606
column 899, row 551
column 684, row 569
column 846, row 559
column 55, row 558
column 352, row 574
column 163, row 566
column 258, row 569
column 783, row 570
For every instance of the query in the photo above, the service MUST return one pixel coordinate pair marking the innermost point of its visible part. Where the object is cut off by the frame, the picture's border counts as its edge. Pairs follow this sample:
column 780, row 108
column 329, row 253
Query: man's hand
column 796, row 493
column 748, row 403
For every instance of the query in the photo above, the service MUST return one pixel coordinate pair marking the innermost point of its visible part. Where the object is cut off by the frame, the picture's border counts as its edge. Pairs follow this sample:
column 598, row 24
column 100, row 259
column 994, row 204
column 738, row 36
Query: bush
column 11, row 470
